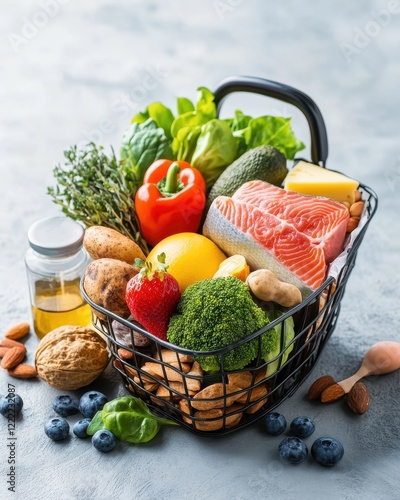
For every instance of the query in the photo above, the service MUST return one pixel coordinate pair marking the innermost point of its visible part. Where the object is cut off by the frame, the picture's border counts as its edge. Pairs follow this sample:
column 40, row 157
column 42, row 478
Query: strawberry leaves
column 146, row 268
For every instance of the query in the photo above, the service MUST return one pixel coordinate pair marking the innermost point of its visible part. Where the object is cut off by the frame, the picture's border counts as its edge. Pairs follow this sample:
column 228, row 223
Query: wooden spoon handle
column 348, row 383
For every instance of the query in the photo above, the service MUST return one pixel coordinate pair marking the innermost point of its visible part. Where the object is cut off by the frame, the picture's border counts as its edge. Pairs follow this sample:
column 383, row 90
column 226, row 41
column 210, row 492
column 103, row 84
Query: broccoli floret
column 215, row 313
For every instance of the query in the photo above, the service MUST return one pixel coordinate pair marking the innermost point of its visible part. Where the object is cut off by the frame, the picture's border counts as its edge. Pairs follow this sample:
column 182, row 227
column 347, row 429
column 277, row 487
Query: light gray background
column 78, row 73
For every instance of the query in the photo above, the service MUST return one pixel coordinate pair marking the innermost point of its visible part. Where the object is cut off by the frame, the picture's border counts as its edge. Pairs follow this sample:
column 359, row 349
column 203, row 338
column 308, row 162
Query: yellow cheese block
column 306, row 178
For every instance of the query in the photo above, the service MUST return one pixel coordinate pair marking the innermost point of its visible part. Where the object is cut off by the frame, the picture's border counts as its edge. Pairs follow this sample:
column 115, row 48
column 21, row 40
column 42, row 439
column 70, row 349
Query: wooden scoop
column 383, row 357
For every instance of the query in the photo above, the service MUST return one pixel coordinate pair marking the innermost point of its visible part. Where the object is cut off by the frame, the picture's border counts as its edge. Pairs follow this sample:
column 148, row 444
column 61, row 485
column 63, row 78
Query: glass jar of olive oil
column 55, row 263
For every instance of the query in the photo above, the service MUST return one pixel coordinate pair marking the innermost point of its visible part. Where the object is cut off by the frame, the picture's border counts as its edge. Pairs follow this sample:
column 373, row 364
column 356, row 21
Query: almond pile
column 223, row 405
column 327, row 391
column 13, row 352
column 355, row 210
column 177, row 378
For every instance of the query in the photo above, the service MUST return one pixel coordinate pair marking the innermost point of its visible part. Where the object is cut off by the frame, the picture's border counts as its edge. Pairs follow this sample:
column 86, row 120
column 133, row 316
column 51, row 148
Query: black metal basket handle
column 282, row 92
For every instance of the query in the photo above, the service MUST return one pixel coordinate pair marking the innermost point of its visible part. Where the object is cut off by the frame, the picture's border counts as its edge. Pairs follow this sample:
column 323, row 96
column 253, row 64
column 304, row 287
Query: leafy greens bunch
column 199, row 137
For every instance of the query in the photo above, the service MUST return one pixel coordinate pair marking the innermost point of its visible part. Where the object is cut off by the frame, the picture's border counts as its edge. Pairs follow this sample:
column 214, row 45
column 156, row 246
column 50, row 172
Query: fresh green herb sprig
column 96, row 189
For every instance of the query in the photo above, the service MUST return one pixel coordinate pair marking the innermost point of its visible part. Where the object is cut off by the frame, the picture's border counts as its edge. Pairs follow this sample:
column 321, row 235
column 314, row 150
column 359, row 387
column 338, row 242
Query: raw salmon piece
column 266, row 241
column 323, row 220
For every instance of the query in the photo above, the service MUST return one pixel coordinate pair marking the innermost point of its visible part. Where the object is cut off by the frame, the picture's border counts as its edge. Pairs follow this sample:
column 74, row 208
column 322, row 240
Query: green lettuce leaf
column 159, row 113
column 205, row 103
column 216, row 148
column 239, row 122
column 272, row 131
column 186, row 127
column 184, row 105
column 184, row 144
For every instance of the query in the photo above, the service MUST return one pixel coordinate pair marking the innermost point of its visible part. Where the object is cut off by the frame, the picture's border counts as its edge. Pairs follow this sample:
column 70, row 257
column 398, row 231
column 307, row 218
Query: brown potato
column 105, row 283
column 103, row 242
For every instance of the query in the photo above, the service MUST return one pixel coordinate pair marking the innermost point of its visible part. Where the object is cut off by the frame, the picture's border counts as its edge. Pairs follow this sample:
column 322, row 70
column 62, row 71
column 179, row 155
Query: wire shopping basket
column 170, row 379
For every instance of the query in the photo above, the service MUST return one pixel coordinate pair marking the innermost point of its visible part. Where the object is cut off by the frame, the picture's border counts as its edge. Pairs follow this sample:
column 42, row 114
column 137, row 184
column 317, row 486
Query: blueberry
column 275, row 423
column 327, row 451
column 91, row 402
column 11, row 405
column 57, row 428
column 104, row 440
column 65, row 406
column 302, row 427
column 79, row 428
column 293, row 450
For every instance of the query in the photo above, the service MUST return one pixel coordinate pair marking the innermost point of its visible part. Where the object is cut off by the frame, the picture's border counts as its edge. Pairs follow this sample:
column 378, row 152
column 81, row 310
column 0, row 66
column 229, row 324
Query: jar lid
column 56, row 236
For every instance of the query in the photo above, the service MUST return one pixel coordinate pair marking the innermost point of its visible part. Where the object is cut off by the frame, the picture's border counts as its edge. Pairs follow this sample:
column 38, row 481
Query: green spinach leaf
column 142, row 144
column 96, row 424
column 129, row 419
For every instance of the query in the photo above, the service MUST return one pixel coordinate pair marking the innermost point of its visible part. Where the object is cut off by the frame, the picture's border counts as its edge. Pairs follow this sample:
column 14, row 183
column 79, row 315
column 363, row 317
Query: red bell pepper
column 171, row 200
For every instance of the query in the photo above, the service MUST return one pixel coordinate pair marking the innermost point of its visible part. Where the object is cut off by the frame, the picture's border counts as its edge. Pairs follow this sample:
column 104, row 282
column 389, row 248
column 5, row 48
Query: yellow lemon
column 235, row 265
column 190, row 257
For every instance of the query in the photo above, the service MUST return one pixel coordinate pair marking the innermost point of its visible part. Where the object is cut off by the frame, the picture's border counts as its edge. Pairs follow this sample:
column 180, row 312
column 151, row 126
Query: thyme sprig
column 97, row 189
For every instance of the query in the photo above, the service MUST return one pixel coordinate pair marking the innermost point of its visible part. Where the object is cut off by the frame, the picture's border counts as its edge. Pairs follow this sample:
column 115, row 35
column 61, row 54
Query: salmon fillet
column 293, row 235
column 323, row 220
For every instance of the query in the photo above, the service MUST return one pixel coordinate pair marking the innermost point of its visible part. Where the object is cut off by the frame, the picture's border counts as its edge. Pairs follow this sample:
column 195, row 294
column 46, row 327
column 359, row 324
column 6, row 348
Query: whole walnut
column 71, row 357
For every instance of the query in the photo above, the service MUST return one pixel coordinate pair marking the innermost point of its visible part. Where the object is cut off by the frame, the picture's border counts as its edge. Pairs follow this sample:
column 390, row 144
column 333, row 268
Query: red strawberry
column 152, row 296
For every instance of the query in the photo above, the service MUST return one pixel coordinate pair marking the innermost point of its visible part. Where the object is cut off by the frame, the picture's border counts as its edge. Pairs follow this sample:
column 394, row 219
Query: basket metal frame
column 313, row 328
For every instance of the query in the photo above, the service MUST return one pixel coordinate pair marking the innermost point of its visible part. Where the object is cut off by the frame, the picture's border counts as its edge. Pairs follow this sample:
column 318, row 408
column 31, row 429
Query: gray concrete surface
column 75, row 71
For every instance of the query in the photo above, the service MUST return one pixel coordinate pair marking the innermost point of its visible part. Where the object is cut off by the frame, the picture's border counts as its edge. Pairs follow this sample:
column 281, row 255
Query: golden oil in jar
column 64, row 307
column 55, row 262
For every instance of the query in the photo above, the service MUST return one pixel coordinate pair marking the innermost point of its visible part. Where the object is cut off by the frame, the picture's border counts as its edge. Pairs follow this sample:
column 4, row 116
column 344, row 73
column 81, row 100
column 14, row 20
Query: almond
column 11, row 343
column 13, row 357
column 3, row 350
column 318, row 387
column 216, row 395
column 172, row 357
column 17, row 331
column 352, row 223
column 358, row 398
column 22, row 371
column 356, row 209
column 125, row 353
column 256, row 393
column 332, row 393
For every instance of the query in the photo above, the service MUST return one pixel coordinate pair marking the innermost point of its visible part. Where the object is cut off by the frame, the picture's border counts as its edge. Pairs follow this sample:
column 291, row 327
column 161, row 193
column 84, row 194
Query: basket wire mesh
column 167, row 378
